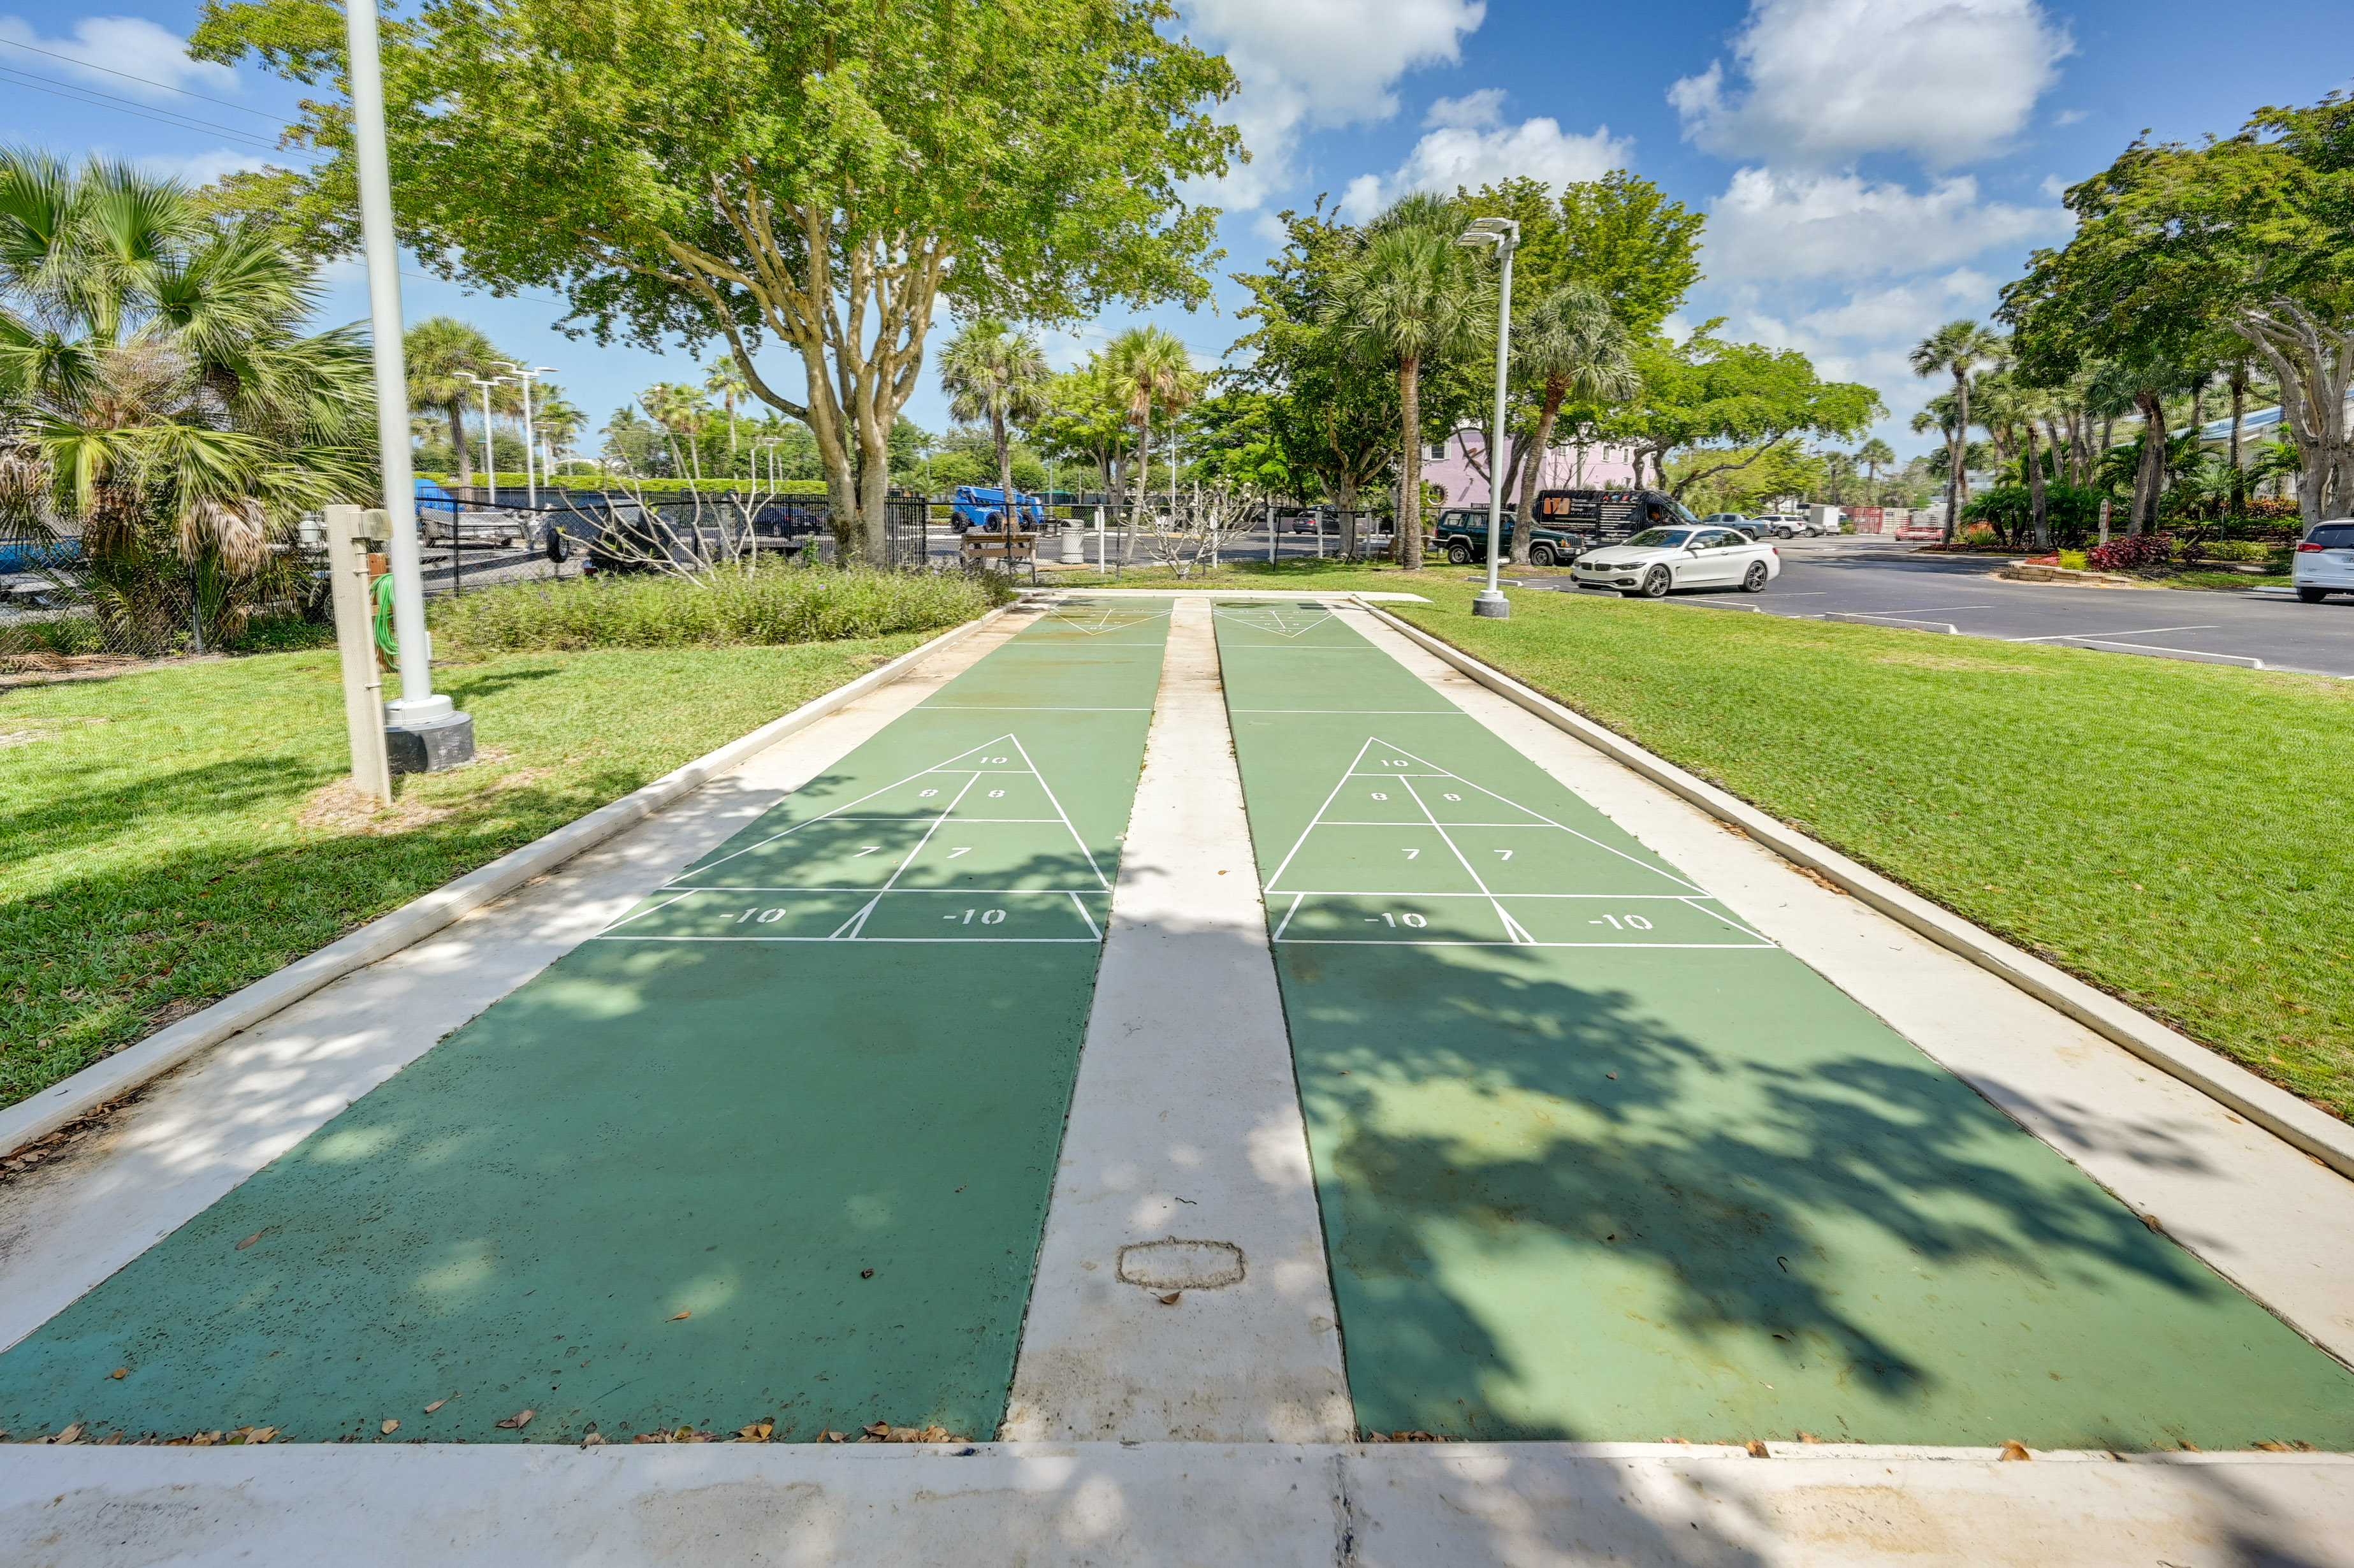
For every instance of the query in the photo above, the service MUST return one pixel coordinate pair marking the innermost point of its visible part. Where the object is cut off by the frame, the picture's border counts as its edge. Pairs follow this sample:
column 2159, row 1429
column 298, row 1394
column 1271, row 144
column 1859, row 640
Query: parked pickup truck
column 979, row 506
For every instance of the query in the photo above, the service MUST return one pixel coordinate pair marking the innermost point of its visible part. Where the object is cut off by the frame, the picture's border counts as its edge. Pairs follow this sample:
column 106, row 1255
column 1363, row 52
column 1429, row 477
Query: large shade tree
column 810, row 173
column 2249, row 238
column 161, row 399
column 442, row 355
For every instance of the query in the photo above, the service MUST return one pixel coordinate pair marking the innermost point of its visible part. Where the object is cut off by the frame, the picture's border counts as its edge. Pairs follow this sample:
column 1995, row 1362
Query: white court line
column 1394, row 893
column 848, row 931
column 1441, row 942
column 839, row 811
column 1729, row 920
column 1353, row 713
column 1065, row 815
column 994, row 708
column 1048, row 892
column 1513, row 927
column 1317, row 821
column 2113, row 636
column 643, row 913
column 923, row 939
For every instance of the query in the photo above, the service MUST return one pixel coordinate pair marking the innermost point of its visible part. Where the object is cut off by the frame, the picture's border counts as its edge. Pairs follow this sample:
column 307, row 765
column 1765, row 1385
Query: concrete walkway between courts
column 1150, row 1127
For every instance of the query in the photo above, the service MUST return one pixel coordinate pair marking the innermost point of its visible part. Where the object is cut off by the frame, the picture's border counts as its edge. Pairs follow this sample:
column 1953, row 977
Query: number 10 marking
column 1621, row 923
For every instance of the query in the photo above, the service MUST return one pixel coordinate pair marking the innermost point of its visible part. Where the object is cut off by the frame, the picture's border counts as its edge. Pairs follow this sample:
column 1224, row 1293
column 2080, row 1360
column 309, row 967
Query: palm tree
column 158, row 395
column 725, row 381
column 1874, row 455
column 1410, row 299
column 679, row 409
column 1955, row 349
column 1149, row 368
column 1571, row 341
column 991, row 371
column 441, row 352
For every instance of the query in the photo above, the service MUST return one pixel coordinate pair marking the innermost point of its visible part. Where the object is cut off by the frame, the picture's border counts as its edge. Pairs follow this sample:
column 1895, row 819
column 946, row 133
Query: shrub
column 2132, row 550
column 1980, row 537
column 2072, row 559
column 281, row 634
column 774, row 604
column 2235, row 550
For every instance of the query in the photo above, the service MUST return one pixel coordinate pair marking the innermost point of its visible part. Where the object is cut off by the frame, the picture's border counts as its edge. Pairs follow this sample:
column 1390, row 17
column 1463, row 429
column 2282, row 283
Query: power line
column 126, row 76
column 119, row 106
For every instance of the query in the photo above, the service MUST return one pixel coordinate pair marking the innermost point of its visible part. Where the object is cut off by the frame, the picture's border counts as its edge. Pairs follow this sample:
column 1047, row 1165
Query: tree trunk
column 2039, row 510
column 2239, row 412
column 1557, row 390
column 1007, row 519
column 458, row 440
column 2149, row 476
column 1957, row 456
column 1143, row 484
column 1407, row 547
column 1348, row 515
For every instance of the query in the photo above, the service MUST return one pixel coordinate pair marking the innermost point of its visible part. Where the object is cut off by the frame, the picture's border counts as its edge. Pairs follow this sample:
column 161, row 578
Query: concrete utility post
column 1504, row 234
column 423, row 732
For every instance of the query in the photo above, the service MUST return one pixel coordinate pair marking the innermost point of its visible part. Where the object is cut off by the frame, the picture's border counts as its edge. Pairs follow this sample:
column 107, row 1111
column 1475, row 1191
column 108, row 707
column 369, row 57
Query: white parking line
column 2137, row 631
column 1903, row 609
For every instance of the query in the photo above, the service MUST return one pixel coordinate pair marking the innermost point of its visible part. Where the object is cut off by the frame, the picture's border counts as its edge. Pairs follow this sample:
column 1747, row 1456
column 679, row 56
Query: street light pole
column 444, row 737
column 1504, row 234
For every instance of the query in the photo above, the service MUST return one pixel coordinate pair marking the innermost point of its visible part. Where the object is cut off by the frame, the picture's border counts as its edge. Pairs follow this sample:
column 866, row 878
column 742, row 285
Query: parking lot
column 1894, row 585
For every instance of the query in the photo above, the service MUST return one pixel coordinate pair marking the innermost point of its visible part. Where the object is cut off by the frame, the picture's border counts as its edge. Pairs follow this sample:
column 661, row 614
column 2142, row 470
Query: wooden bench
column 982, row 543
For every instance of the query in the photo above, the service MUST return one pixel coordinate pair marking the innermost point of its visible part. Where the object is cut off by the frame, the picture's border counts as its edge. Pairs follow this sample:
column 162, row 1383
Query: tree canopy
column 813, row 173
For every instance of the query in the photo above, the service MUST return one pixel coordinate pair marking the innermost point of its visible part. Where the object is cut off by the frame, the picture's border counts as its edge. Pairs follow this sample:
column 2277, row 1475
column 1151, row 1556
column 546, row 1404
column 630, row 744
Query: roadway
column 1895, row 585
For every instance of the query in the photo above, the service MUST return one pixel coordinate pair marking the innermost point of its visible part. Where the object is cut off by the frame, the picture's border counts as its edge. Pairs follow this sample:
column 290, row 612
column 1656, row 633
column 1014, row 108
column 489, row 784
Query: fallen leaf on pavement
column 389, row 1428
column 592, row 1439
column 758, row 1432
column 253, row 1238
column 518, row 1421
column 686, row 1314
column 1171, row 1299
column 71, row 1434
column 2014, row 1449
column 1758, row 1450
column 120, row 1371
column 437, row 1405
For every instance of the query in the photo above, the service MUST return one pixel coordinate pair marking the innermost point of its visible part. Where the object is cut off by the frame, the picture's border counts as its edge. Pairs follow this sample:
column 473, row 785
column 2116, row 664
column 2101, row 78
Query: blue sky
column 1871, row 168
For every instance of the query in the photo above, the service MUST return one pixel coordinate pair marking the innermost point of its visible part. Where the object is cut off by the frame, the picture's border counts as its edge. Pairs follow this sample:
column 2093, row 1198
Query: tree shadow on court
column 1558, row 1212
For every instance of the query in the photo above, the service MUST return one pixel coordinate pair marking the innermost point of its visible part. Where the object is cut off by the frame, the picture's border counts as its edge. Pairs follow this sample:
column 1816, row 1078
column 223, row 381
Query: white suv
column 2325, row 561
column 1784, row 524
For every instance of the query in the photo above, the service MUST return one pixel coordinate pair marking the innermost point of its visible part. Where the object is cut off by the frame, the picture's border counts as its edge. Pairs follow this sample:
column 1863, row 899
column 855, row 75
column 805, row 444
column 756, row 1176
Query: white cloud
column 102, row 47
column 1315, row 64
column 1469, row 144
column 1828, row 80
column 201, row 168
column 1785, row 226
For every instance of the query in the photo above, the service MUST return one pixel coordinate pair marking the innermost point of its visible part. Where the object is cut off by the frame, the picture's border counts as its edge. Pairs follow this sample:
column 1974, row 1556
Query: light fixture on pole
column 423, row 732
column 1505, row 236
column 525, row 375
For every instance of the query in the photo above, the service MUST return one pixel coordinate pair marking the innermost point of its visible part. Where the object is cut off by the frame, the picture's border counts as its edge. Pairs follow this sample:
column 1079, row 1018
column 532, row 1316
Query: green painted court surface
column 1598, row 1162
column 778, row 1144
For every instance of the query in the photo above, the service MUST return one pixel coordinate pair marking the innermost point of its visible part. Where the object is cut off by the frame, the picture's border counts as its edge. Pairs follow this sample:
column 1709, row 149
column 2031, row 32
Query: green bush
column 2236, row 550
column 66, row 634
column 281, row 634
column 771, row 605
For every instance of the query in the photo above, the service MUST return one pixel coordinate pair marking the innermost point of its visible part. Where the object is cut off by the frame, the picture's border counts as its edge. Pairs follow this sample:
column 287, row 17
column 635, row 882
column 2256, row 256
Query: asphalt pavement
column 1893, row 585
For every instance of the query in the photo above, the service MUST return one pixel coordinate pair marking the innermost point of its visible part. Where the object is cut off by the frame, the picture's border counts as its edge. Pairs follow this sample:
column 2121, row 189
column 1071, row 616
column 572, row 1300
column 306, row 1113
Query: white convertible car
column 1658, row 559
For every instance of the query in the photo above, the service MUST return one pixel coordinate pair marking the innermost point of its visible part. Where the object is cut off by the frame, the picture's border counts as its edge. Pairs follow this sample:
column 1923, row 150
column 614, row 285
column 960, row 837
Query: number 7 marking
column 1411, row 854
column 954, row 853
column 1506, row 853
column 869, row 849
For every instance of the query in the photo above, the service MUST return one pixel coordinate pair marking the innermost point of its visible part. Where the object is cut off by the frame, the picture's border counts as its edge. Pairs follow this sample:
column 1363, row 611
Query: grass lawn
column 172, row 834
column 2160, row 829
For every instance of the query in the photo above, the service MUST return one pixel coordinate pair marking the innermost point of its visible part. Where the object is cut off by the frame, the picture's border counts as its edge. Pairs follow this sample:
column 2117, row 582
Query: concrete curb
column 118, row 1074
column 2303, row 1127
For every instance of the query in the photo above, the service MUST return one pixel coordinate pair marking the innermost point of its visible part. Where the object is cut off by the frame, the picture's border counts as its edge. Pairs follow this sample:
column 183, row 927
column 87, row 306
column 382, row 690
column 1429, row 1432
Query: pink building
column 1449, row 465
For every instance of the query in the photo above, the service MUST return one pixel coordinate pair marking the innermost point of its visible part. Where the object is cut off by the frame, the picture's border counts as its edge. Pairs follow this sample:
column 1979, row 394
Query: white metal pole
column 1504, row 235
column 530, row 476
column 382, row 246
column 489, row 459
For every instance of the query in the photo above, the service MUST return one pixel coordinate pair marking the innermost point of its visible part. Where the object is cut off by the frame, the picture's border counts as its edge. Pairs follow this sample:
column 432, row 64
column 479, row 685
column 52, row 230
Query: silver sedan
column 1659, row 559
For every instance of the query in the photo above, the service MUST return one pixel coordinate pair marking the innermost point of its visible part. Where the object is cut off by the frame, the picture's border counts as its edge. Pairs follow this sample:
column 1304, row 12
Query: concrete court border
column 2303, row 1127
column 113, row 1076
column 1108, row 1505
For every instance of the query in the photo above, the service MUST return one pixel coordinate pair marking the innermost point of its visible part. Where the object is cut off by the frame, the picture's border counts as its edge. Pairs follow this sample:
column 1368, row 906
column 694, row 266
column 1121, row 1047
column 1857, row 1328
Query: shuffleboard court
column 777, row 1144
column 1598, row 1162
